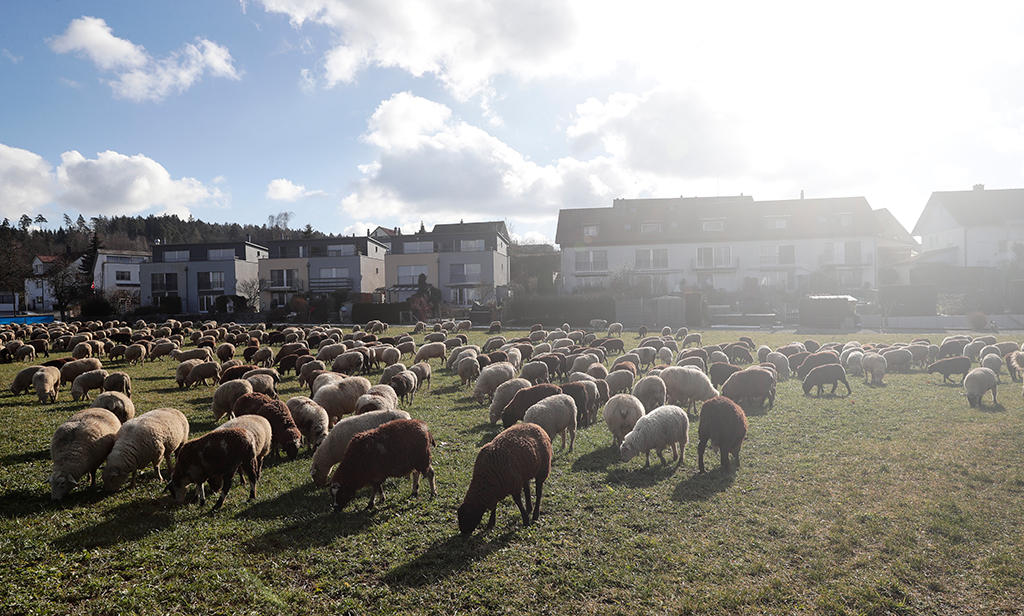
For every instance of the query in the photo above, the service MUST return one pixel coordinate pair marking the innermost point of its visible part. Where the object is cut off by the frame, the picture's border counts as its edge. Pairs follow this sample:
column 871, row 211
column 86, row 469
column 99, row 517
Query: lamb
column 619, row 381
column 22, row 381
column 663, row 427
column 215, row 457
column 377, row 398
column 503, row 395
column 429, row 351
column 951, row 365
column 93, row 379
column 144, row 440
column 311, row 419
column 977, row 382
column 621, row 414
column 393, row 449
column 333, row 448
column 490, row 378
column 262, row 383
column 504, row 467
column 118, row 381
column 205, row 371
column 340, row 398
column 181, row 372
column 225, row 396
column 993, row 362
column 874, row 366
column 468, row 370
column 117, row 403
column 284, row 434
column 46, row 383
column 651, row 392
column 828, row 374
column 754, row 384
column 72, row 369
column 724, row 423
column 719, row 372
column 78, row 447
column 405, row 384
column 523, row 399
column 556, row 415
column 687, row 385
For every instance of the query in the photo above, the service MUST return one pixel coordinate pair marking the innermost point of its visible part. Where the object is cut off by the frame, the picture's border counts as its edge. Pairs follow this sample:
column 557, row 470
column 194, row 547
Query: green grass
column 896, row 500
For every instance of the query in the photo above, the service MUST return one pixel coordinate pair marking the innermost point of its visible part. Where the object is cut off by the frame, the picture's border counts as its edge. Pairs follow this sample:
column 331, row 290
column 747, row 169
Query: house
column 972, row 228
column 320, row 266
column 9, row 302
column 40, row 294
column 199, row 273
column 534, row 268
column 728, row 243
column 118, row 270
column 467, row 262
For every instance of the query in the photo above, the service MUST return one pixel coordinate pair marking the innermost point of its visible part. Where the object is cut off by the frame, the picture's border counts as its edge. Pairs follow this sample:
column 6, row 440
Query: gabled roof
column 48, row 258
column 891, row 229
column 491, row 226
column 974, row 208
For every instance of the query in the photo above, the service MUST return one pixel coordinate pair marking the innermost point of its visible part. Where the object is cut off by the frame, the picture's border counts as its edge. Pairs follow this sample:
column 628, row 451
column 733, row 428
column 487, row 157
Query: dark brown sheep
column 235, row 372
column 496, row 356
column 960, row 364
column 394, row 449
column 504, row 467
column 613, row 346
column 812, row 346
column 524, row 399
column 724, row 423
column 248, row 404
column 826, row 374
column 738, row 353
column 625, row 365
column 214, row 457
column 553, row 362
column 952, row 348
column 720, row 373
column 525, row 351
column 249, row 351
column 694, row 360
column 586, row 408
column 284, row 433
column 754, row 384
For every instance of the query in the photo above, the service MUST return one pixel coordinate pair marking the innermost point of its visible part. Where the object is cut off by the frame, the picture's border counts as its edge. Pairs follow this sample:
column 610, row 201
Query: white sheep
column 535, row 371
column 145, row 440
column 117, row 403
column 993, row 362
column 468, row 369
column 503, row 395
column 325, row 380
column 556, row 415
column 340, row 398
column 260, row 433
column 663, row 427
column 431, row 350
column 46, row 382
column 781, row 363
column 226, row 394
column 490, row 378
column 651, row 392
column 852, row 361
column 79, row 446
column 83, row 383
column 377, row 398
column 310, row 418
column 874, row 368
column 515, row 357
column 332, row 449
column 620, row 415
column 262, row 384
column 979, row 381
column 687, row 385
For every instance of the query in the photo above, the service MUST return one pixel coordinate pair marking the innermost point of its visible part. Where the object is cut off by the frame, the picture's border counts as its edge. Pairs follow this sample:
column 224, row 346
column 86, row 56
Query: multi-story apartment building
column 972, row 228
column 199, row 273
column 118, row 270
column 320, row 266
column 467, row 261
column 728, row 243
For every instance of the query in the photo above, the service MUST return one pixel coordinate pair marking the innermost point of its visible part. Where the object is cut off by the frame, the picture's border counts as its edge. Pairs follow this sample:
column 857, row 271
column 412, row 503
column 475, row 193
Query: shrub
column 978, row 320
column 170, row 304
column 96, row 306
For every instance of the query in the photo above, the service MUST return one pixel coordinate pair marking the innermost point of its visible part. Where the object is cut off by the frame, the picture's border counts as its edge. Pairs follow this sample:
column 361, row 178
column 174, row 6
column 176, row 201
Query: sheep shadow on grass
column 640, row 477
column 450, row 555
column 992, row 408
column 125, row 523
column 25, row 456
column 702, row 486
column 304, row 497
column 597, row 460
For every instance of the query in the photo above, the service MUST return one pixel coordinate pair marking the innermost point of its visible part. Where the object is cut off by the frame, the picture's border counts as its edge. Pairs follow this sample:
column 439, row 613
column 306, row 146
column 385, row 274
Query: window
column 410, row 274
column 164, row 283
column 712, row 225
column 123, row 275
column 845, row 219
column 652, row 258
column 650, row 227
column 209, row 281
column 828, row 255
column 775, row 254
column 281, row 278
column 590, row 230
column 221, row 254
column 341, row 250
column 775, row 222
column 714, row 256
column 591, row 260
column 206, row 302
column 471, row 246
column 334, row 272
column 851, row 252
column 502, row 247
column 279, row 300
column 464, row 295
column 464, row 272
column 418, row 247
column 171, row 256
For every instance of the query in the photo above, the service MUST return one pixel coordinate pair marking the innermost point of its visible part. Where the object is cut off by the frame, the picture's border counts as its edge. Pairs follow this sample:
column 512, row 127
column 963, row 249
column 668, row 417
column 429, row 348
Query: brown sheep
column 823, row 375
column 524, row 399
column 235, row 372
column 720, row 372
column 214, row 457
column 285, row 434
column 724, row 423
column 951, row 365
column 754, row 384
column 813, row 361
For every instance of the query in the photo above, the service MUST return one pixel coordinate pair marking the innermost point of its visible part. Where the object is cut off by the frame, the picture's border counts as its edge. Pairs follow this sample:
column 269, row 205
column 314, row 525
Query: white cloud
column 138, row 75
column 26, row 181
column 283, row 189
column 9, row 55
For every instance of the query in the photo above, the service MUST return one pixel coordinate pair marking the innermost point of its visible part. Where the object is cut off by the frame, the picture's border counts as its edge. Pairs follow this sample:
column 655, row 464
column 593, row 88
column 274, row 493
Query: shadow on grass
column 597, row 460
column 876, row 385
column 27, row 456
column 640, row 477
column 703, row 485
column 447, row 556
column 992, row 408
column 123, row 524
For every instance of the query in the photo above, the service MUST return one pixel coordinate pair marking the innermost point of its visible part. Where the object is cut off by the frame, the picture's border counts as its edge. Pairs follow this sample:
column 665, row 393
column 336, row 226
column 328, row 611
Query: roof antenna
column 801, row 193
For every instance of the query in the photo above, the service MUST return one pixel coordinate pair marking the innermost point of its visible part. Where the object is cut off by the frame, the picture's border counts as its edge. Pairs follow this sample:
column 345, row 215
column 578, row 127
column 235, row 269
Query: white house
column 972, row 228
column 38, row 290
column 118, row 270
column 729, row 243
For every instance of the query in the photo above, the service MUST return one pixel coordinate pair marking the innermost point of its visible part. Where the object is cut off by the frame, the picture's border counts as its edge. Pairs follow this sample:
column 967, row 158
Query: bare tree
column 250, row 290
column 64, row 283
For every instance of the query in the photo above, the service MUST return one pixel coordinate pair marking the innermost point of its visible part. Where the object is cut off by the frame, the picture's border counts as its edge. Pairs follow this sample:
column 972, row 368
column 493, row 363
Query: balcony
column 326, row 285
column 861, row 261
column 464, row 279
column 727, row 266
column 281, row 285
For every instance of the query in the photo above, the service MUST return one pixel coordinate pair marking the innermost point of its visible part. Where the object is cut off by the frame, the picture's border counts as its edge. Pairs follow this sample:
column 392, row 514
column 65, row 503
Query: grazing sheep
column 206, row 371
column 694, row 339
column 755, row 384
column 215, row 458
column 70, row 370
column 503, row 395
column 260, row 434
column 324, row 379
column 22, row 381
column 46, row 382
column 25, row 353
column 619, row 381
column 226, row 394
column 651, row 392
column 405, row 384
column 350, row 362
column 422, row 372
column 117, row 403
column 615, row 329
column 118, row 381
column 306, row 371
column 814, row 360
column 663, row 427
column 719, row 372
column 468, row 370
column 686, row 385
column 162, row 349
column 621, row 414
column 78, row 447
column 898, row 360
column 823, row 375
column 181, row 372
column 952, row 347
column 852, row 362
column 377, row 398
column 490, row 378
column 81, row 350
column 536, row 372
column 145, row 440
column 874, row 366
column 977, row 382
column 284, row 434
column 724, row 423
column 339, row 398
column 311, row 419
column 203, row 354
column 430, row 351
column 394, row 449
column 87, row 381
column 556, row 415
column 262, row 383
column 949, row 366
column 523, row 399
column 333, row 448
column 264, row 356
column 993, row 362
column 1015, row 364
column 225, row 351
column 782, row 366
column 504, row 467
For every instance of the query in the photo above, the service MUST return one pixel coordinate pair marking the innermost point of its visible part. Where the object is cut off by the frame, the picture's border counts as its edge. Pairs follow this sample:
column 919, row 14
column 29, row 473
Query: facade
column 9, row 302
column 39, row 296
column 199, row 273
column 972, row 228
column 320, row 266
column 118, row 270
column 467, row 262
column 534, row 268
column 728, row 243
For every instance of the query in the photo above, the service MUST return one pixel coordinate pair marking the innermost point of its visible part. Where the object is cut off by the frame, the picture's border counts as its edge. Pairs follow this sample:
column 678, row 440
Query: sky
column 351, row 114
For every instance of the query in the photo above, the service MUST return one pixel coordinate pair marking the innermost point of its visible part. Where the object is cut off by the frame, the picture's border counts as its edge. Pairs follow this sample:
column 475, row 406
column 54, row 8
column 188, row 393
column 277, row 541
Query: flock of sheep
column 545, row 384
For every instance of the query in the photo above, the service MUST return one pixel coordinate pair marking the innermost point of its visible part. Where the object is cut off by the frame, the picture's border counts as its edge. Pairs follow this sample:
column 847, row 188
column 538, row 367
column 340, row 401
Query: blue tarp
column 35, row 318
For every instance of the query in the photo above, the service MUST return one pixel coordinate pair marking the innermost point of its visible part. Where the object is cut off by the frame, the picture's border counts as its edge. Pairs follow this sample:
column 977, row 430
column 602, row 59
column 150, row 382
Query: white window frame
column 412, row 273
column 651, row 227
column 591, row 230
column 213, row 284
column 590, row 261
column 712, row 225
column 721, row 256
column 418, row 248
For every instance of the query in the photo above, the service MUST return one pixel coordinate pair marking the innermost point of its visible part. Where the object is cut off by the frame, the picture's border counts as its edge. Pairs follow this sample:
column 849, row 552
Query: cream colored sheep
column 79, row 446
column 145, row 440
column 620, row 415
column 117, row 403
column 332, row 449
column 311, row 419
column 226, row 394
column 45, row 381
column 87, row 381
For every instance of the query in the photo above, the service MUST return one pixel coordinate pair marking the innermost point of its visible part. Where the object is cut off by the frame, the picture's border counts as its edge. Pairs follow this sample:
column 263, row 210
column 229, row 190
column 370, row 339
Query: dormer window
column 712, row 225
column 590, row 230
column 650, row 227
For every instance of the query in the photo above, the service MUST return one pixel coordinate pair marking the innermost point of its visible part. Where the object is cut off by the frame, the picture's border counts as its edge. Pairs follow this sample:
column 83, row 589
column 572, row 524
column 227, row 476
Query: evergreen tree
column 68, row 224
column 41, row 220
column 85, row 270
column 24, row 222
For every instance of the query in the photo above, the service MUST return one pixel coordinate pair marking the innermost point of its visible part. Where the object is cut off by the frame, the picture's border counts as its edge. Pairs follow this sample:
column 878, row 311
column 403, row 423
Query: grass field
column 894, row 500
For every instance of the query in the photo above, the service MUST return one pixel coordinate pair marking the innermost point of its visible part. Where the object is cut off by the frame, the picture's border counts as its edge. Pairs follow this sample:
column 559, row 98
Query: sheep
column 1015, row 364
column 260, row 432
column 118, row 381
column 651, row 392
column 215, row 457
column 393, row 449
column 339, row 398
column 422, row 372
column 874, row 366
column 952, row 347
column 117, row 403
column 311, row 419
column 817, row 359
column 993, row 362
column 262, row 383
column 598, row 371
column 25, row 353
column 181, row 372
column 270, row 372
column 429, row 351
column 503, row 395
column 325, row 379
column 853, row 362
column 350, row 362
column 333, row 447
column 782, row 366
column 72, row 369
column 203, row 354
column 584, row 394
column 490, row 378
column 822, row 375
column 205, row 371
column 621, row 414
column 951, row 365
column 719, row 372
column 225, row 351
column 82, row 350
column 377, row 398
column 724, row 423
column 898, row 360
column 619, row 381
column 146, row 439
column 93, row 379
column 264, row 356
column 504, row 467
column 754, row 384
column 45, row 382
column 556, row 415
column 307, row 369
column 694, row 338
column 162, row 349
column 405, row 384
column 524, row 399
column 535, row 371
column 225, row 396
column 22, row 381
column 284, row 433
column 78, row 447
column 468, row 370
column 663, row 427
column 977, row 382
column 687, row 385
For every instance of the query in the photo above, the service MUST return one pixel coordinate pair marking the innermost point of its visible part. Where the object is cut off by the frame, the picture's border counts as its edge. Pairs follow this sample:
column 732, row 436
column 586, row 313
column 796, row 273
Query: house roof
column 48, row 258
column 974, row 208
column 891, row 229
column 491, row 226
column 682, row 220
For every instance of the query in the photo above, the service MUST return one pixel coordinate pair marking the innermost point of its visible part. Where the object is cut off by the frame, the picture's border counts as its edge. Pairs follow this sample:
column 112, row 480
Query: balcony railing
column 329, row 284
column 719, row 266
column 464, row 279
column 281, row 285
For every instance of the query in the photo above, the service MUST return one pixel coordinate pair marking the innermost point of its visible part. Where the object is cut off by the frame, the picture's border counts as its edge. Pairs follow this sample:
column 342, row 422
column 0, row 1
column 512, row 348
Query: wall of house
column 371, row 271
column 393, row 261
column 146, row 271
column 300, row 284
column 991, row 246
column 487, row 261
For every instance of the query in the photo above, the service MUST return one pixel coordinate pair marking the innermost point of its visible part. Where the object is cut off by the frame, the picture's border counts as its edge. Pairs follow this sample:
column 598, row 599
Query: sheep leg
column 648, row 465
column 563, row 441
column 415, row 483
column 490, row 522
column 701, row 445
column 661, row 456
column 536, row 504
column 848, row 390
column 92, row 480
column 225, row 486
column 518, row 498
column 201, row 491
column 429, row 472
column 725, row 458
column 572, row 439
column 373, row 497
column 526, row 497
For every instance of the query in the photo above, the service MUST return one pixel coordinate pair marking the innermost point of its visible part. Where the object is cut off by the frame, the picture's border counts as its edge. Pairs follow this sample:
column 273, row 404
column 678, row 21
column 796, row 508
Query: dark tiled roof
column 473, row 227
column 970, row 208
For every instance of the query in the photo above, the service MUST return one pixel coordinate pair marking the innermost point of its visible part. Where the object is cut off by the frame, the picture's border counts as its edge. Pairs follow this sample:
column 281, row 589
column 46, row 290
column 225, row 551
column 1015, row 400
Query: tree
column 41, row 220
column 250, row 290
column 63, row 283
column 86, row 269
column 81, row 224
column 68, row 223
column 307, row 231
column 24, row 222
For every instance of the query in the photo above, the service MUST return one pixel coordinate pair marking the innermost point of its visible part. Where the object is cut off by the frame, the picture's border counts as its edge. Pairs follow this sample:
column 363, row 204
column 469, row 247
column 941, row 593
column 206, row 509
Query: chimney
column 801, row 193
column 979, row 187
column 248, row 237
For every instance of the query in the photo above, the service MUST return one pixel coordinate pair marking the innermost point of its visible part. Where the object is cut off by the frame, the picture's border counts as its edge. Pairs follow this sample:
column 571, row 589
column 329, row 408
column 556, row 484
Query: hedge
column 557, row 309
